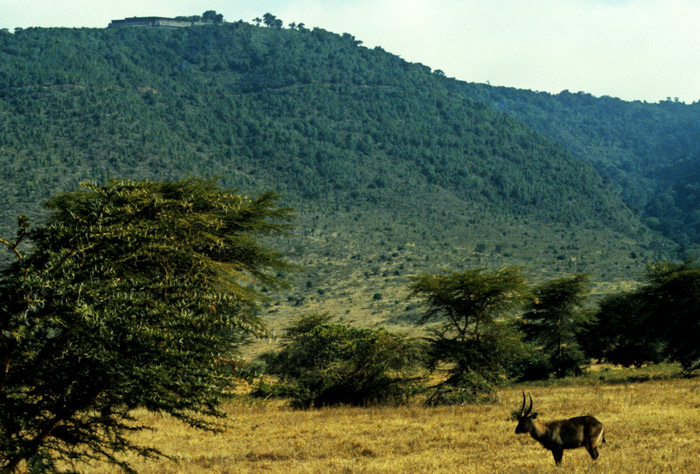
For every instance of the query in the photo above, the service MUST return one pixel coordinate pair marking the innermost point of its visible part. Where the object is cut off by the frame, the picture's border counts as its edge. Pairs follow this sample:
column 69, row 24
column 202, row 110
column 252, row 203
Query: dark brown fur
column 562, row 434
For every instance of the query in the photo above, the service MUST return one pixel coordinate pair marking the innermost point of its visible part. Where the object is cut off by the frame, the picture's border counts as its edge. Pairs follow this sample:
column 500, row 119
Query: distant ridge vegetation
column 320, row 114
column 394, row 169
column 648, row 153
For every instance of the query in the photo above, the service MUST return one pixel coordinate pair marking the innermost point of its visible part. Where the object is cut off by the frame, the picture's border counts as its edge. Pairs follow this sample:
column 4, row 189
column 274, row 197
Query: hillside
column 391, row 172
column 649, row 153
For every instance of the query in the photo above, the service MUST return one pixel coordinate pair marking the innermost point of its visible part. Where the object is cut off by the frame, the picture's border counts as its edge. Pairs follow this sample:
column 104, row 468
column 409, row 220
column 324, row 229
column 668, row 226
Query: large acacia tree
column 126, row 296
column 471, row 333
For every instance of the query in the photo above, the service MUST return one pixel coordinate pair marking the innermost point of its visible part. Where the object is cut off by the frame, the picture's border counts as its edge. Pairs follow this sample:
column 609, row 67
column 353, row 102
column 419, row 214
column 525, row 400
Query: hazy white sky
column 632, row 49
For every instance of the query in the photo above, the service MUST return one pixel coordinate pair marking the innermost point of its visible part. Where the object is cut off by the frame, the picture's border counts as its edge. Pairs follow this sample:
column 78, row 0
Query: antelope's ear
column 534, row 415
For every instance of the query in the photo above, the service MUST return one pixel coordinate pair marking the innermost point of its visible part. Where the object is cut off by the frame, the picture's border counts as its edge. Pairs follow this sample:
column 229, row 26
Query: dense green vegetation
column 658, row 320
column 329, row 364
column 490, row 328
column 649, row 153
column 394, row 169
column 127, row 296
column 310, row 111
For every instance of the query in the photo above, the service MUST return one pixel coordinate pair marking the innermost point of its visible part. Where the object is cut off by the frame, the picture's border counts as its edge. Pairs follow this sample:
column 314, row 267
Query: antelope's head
column 525, row 418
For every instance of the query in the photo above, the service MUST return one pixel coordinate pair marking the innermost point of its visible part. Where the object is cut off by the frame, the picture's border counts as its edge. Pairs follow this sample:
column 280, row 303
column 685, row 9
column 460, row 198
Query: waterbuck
column 562, row 434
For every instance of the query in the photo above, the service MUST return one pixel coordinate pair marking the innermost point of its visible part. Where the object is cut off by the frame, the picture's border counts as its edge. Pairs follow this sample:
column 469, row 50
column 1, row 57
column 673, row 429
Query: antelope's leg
column 557, row 453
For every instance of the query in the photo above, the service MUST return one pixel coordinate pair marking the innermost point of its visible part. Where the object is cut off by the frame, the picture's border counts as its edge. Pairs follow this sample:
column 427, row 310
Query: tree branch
column 13, row 247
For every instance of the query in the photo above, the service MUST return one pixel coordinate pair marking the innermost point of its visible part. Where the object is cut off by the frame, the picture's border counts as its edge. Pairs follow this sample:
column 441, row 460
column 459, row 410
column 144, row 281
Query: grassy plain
column 652, row 426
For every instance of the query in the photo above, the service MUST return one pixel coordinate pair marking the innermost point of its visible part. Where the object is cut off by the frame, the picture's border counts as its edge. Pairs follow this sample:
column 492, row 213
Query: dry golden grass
column 651, row 427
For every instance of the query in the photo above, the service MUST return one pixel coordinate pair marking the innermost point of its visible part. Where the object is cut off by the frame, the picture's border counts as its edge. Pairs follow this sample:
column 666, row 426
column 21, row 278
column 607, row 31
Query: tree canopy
column 553, row 320
column 471, row 334
column 672, row 295
column 659, row 320
column 466, row 302
column 125, row 297
column 328, row 364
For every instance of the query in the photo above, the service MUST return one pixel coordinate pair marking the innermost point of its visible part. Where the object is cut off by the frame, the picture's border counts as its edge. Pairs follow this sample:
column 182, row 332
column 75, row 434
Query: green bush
column 531, row 366
column 468, row 387
column 330, row 364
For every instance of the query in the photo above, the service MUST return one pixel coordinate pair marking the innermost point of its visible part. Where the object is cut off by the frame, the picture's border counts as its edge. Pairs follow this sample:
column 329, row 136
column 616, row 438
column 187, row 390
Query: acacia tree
column 672, row 296
column 622, row 332
column 125, row 297
column 553, row 320
column 470, row 334
column 659, row 320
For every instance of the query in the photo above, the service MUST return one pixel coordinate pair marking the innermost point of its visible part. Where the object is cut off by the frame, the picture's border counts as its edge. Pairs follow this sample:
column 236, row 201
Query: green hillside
column 392, row 172
column 649, row 153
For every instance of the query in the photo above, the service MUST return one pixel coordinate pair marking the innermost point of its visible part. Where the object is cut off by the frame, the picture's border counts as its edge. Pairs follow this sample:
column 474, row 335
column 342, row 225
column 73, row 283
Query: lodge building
column 154, row 22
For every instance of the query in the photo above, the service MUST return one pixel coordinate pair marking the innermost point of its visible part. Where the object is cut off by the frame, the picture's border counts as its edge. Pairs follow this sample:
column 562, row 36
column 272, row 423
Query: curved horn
column 529, row 409
column 522, row 409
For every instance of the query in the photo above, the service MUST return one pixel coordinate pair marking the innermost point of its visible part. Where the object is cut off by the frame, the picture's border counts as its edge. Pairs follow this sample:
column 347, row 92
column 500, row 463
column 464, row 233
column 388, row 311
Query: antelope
column 559, row 435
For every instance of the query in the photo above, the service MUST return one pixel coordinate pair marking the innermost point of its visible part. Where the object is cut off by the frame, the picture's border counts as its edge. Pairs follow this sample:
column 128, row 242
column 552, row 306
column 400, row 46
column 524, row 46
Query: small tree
column 271, row 21
column 212, row 16
column 553, row 320
column 330, row 364
column 469, row 335
column 125, row 297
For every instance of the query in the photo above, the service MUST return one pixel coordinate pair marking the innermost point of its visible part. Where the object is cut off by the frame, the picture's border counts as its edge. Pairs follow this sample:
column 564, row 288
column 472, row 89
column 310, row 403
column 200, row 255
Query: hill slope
column 392, row 172
column 649, row 153
column 309, row 111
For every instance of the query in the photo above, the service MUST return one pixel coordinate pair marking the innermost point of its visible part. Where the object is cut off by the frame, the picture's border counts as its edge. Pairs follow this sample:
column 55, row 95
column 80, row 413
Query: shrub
column 531, row 366
column 330, row 364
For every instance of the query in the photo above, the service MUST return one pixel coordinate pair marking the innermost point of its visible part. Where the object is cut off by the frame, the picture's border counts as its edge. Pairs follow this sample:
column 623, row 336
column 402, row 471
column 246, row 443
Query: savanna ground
column 652, row 426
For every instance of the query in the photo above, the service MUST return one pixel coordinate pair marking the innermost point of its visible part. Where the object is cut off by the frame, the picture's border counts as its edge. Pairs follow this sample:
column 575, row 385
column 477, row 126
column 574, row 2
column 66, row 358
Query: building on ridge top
column 155, row 22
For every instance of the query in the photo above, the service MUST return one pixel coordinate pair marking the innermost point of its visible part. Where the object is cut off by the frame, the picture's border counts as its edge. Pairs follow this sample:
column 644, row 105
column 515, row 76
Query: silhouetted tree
column 212, row 16
column 621, row 332
column 672, row 295
column 271, row 21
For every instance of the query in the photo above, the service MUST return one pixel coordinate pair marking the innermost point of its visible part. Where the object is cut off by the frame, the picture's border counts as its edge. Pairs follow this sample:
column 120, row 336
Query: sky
column 645, row 50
